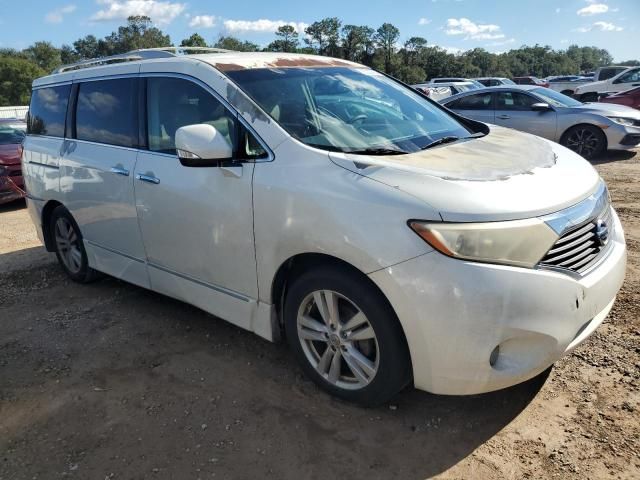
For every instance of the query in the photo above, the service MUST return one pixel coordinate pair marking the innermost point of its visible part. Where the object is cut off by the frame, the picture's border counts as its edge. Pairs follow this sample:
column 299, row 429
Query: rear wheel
column 69, row 247
column 346, row 336
column 586, row 140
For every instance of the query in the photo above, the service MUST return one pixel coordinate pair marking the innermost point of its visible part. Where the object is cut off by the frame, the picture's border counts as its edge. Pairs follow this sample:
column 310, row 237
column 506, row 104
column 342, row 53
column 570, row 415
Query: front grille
column 580, row 247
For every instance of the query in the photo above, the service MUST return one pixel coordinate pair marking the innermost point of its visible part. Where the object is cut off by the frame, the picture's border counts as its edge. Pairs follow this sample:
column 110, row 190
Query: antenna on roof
column 136, row 55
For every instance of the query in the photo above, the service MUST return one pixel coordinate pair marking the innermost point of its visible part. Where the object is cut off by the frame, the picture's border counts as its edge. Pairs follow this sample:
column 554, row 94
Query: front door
column 513, row 110
column 196, row 222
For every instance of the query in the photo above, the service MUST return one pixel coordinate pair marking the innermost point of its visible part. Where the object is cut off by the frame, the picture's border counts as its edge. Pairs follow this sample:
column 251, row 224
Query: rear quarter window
column 48, row 110
column 107, row 112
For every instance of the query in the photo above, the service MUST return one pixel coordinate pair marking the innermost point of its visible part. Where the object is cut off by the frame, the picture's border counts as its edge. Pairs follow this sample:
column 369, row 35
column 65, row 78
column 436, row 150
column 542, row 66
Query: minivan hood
column 505, row 175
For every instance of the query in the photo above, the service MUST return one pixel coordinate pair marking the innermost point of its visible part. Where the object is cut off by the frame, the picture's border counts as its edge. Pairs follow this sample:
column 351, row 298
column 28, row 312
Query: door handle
column 119, row 171
column 147, row 178
column 504, row 117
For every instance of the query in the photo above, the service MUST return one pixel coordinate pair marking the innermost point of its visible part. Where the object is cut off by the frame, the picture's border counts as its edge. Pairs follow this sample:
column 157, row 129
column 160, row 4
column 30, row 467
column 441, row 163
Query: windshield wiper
column 377, row 151
column 449, row 139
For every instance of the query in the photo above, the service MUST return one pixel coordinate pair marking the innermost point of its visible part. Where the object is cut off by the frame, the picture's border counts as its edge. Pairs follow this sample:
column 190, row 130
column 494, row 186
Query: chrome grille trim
column 579, row 247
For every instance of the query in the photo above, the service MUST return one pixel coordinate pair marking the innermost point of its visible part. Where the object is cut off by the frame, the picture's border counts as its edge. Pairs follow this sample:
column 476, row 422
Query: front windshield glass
column 342, row 109
column 555, row 99
column 507, row 81
column 12, row 133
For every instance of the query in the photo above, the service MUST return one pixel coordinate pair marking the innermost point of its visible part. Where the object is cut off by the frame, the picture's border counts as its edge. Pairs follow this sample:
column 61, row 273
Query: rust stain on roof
column 229, row 67
column 284, row 62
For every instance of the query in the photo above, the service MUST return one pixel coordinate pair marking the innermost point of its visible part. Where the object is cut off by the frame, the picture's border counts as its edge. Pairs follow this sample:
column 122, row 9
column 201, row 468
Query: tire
column 69, row 247
column 586, row 140
column 568, row 93
column 362, row 354
column 589, row 97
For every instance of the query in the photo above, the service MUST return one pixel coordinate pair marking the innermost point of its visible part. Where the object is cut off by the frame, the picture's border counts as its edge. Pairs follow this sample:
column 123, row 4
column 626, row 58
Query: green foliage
column 16, row 76
column 358, row 43
column 386, row 37
column 137, row 33
column 287, row 40
column 44, row 55
column 232, row 43
column 194, row 40
column 324, row 36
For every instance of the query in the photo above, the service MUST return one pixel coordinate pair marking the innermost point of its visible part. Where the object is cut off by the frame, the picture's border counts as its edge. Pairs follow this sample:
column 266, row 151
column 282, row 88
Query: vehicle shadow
column 179, row 376
column 13, row 205
column 614, row 156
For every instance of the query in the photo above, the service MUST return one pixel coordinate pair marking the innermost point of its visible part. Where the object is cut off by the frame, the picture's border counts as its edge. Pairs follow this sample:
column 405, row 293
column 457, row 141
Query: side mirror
column 202, row 145
column 540, row 107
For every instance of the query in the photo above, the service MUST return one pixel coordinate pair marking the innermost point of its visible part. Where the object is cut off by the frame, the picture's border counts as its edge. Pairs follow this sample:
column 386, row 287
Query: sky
column 456, row 25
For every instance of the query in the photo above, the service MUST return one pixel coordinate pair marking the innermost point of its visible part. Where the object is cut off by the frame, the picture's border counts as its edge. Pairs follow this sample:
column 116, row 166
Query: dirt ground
column 111, row 381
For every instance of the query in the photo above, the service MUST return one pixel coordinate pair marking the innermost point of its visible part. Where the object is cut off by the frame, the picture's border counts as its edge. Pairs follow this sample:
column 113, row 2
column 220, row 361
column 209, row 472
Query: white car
column 626, row 80
column 389, row 240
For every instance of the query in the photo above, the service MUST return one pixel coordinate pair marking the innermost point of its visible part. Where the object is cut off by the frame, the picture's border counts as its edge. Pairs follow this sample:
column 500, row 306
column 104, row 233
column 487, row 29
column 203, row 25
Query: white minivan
column 388, row 239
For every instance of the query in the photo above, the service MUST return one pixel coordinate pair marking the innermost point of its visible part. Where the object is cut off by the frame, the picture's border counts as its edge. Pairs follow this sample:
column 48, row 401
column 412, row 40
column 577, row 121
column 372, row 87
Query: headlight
column 627, row 122
column 520, row 243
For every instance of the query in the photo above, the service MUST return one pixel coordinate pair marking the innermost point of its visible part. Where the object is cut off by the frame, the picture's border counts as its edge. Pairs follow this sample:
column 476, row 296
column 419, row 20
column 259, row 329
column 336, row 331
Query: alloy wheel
column 338, row 340
column 583, row 141
column 68, row 245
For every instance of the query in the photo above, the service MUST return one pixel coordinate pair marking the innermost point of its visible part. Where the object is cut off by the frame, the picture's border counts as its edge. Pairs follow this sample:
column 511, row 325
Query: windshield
column 555, row 99
column 353, row 110
column 12, row 133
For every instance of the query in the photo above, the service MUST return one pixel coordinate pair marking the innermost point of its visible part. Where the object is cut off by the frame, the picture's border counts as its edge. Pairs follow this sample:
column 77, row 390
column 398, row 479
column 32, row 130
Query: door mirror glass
column 197, row 145
column 540, row 107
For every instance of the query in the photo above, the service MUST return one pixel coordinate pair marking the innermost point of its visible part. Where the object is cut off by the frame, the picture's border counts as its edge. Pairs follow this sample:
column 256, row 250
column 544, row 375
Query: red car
column 12, row 133
column 630, row 98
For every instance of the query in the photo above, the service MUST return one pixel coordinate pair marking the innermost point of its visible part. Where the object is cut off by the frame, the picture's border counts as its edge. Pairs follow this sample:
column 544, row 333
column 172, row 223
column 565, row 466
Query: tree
column 194, row 40
column 68, row 55
column 386, row 37
column 138, row 33
column 357, row 43
column 232, row 43
column 324, row 36
column 16, row 76
column 287, row 40
column 87, row 47
column 43, row 54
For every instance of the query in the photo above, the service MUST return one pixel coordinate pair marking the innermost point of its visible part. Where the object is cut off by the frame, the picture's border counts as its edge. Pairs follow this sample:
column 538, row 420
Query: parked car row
column 570, row 85
column 588, row 129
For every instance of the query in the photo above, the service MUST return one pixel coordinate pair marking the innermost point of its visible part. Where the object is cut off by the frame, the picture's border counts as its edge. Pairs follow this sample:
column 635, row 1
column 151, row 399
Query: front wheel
column 586, row 140
column 69, row 247
column 346, row 336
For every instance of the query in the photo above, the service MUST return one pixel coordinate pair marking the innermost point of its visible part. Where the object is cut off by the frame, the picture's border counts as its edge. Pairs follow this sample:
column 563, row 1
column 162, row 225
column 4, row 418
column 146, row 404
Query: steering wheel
column 357, row 118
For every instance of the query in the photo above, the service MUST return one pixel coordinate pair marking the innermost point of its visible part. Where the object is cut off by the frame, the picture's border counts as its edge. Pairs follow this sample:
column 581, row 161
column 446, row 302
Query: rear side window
column 480, row 101
column 107, row 112
column 48, row 110
column 514, row 101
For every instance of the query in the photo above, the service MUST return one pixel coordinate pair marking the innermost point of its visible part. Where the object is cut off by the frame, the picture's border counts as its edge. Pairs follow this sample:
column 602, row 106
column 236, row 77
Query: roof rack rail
column 135, row 55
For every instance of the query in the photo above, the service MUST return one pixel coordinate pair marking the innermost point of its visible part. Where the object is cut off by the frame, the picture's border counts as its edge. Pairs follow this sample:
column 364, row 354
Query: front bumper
column 620, row 137
column 455, row 313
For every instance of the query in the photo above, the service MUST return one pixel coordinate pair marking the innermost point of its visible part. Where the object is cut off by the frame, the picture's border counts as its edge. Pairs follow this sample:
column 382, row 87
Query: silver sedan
column 586, row 128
